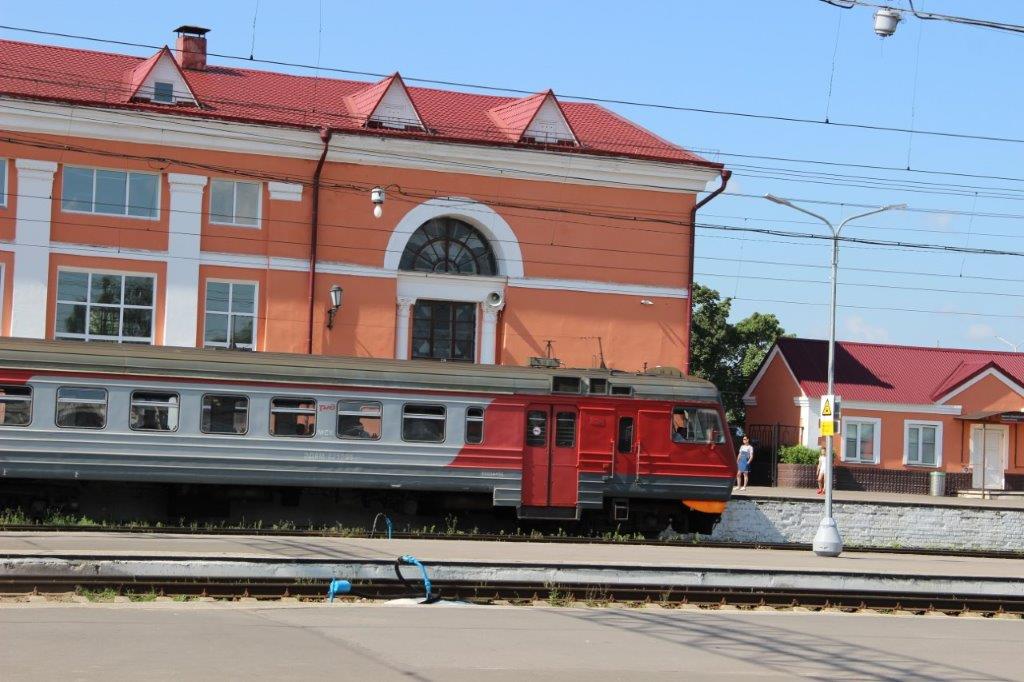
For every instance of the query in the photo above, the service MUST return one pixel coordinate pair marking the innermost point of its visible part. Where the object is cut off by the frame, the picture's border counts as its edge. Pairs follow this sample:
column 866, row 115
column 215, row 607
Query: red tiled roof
column 892, row 374
column 48, row 72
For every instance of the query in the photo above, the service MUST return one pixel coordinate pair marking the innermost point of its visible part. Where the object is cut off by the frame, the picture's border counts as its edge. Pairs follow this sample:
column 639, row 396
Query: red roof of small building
column 93, row 78
column 884, row 373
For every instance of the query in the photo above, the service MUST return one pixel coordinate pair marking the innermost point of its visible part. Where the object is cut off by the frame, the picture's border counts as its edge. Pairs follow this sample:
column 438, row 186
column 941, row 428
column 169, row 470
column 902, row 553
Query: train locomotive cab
column 627, row 451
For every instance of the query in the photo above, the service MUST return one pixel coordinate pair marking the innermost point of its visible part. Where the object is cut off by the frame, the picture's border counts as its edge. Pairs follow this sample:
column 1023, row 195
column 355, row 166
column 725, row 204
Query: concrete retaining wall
column 874, row 525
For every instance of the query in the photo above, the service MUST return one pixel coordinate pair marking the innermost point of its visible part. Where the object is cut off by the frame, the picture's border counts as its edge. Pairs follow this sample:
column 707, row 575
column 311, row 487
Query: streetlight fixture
column 336, row 294
column 827, row 541
column 1009, row 343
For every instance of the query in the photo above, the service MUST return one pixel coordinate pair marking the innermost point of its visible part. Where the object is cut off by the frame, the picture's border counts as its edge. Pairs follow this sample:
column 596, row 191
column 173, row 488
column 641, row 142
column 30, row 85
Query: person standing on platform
column 743, row 460
column 822, row 462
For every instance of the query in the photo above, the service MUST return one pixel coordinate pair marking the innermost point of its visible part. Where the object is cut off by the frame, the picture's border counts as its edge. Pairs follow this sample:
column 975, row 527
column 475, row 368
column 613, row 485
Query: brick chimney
column 190, row 49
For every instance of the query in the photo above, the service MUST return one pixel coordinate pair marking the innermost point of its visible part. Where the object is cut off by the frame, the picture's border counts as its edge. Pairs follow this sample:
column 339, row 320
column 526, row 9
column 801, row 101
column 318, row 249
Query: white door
column 988, row 457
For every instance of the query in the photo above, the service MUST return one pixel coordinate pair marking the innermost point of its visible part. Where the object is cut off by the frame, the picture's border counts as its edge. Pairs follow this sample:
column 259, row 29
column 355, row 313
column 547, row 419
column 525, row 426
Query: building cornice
column 91, row 122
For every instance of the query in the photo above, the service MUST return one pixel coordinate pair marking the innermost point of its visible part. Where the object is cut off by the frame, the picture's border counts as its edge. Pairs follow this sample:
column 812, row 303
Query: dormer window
column 163, row 92
column 386, row 104
column 538, row 119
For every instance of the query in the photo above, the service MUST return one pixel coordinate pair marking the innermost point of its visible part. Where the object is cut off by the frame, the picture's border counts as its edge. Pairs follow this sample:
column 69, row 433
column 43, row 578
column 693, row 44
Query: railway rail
column 504, row 537
column 526, row 594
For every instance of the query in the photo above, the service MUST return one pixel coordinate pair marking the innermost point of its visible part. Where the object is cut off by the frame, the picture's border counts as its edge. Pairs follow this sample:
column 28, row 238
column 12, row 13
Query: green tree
column 728, row 354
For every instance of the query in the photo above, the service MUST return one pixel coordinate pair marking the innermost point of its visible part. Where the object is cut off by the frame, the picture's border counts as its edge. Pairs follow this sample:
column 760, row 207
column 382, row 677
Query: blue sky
column 772, row 57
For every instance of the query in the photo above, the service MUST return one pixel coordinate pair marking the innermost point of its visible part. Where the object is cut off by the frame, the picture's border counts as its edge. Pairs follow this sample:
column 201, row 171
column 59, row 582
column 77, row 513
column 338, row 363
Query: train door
column 625, row 443
column 551, row 456
column 650, row 436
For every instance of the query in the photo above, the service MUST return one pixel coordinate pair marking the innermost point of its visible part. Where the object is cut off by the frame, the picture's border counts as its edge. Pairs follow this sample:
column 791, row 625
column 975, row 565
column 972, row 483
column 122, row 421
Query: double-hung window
column 861, row 440
column 235, row 203
column 96, row 306
column 423, row 423
column 359, row 420
column 154, row 411
column 922, row 443
column 294, row 417
column 230, row 315
column 110, row 192
column 474, row 425
column 81, row 407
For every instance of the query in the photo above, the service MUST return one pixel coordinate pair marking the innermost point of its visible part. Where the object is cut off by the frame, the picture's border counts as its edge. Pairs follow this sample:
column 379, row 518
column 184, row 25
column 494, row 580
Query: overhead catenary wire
column 567, row 96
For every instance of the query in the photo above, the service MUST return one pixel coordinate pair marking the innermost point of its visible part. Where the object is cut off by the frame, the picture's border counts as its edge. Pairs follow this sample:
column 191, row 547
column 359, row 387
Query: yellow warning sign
column 826, row 409
column 827, row 427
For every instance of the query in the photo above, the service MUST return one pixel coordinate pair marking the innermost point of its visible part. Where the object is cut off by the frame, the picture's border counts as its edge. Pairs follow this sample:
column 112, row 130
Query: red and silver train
column 552, row 443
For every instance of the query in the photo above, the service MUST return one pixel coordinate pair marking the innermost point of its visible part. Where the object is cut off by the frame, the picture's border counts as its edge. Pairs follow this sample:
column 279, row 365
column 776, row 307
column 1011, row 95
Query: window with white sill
column 235, row 203
column 861, row 440
column 110, row 192
column 922, row 443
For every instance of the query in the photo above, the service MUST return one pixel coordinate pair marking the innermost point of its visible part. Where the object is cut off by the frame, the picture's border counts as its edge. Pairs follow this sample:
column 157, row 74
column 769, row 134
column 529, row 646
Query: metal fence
column 767, row 439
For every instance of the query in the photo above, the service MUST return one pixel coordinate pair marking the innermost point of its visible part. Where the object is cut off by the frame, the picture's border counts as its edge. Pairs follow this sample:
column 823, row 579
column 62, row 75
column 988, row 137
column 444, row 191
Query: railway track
column 487, row 537
column 635, row 596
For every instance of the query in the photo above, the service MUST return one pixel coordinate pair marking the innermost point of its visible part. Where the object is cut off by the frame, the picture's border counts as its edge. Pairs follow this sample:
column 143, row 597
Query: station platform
column 860, row 496
column 133, row 555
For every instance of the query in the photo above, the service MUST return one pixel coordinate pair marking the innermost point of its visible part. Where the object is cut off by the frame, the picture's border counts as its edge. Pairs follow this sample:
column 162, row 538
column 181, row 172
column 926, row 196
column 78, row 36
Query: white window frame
column 230, row 313
column 911, row 423
column 127, row 196
column 234, row 204
column 3, row 185
column 120, row 338
column 877, row 440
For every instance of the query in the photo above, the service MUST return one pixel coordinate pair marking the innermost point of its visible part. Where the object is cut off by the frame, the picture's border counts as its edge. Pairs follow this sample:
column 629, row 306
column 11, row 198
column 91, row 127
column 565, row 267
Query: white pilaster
column 404, row 312
column 488, row 333
column 32, row 247
column 184, row 227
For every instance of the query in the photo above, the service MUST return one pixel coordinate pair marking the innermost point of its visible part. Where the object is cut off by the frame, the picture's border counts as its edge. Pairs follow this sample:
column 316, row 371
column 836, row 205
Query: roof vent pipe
column 190, row 48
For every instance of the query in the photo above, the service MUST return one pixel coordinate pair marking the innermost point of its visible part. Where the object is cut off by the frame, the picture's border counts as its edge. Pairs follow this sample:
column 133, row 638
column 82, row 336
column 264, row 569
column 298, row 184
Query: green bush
column 798, row 454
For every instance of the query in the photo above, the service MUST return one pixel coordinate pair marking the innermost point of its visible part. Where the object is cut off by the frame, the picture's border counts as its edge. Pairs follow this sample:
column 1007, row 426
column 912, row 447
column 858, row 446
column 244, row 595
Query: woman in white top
column 743, row 460
column 822, row 460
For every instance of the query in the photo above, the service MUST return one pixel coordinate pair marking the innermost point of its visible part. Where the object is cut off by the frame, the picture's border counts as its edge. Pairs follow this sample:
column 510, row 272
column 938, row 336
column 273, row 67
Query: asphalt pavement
column 215, row 641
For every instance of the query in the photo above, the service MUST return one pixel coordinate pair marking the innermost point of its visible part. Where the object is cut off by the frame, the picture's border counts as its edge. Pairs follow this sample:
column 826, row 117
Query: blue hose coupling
column 338, row 587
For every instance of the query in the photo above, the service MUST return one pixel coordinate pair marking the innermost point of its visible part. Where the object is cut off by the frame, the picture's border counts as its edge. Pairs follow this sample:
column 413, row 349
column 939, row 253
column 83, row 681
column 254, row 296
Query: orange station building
column 170, row 201
column 906, row 411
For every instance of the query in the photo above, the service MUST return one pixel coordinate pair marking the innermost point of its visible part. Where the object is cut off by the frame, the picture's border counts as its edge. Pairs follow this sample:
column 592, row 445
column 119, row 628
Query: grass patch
column 100, row 596
column 142, row 596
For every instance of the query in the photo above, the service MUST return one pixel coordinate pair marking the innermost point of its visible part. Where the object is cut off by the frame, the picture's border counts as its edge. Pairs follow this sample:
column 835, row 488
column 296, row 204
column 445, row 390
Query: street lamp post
column 827, row 541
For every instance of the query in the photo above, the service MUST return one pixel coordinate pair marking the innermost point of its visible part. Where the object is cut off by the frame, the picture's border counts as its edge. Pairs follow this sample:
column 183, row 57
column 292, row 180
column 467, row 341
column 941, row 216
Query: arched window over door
column 446, row 329
column 451, row 246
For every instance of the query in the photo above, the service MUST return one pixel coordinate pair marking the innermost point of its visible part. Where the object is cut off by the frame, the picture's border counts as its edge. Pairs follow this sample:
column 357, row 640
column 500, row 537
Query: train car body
column 551, row 443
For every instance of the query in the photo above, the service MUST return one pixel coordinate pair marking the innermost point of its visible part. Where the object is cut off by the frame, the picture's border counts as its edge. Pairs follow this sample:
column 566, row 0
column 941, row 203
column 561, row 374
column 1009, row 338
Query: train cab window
column 81, row 408
column 598, row 386
column 565, row 429
column 625, row 440
column 154, row 411
column 15, row 405
column 293, row 417
column 474, row 425
column 696, row 425
column 359, row 420
column 536, row 428
column 225, row 414
column 423, row 423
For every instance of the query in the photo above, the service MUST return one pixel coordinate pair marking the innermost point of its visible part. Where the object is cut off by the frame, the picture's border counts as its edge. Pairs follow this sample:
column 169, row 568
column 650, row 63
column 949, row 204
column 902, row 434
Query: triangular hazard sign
column 826, row 409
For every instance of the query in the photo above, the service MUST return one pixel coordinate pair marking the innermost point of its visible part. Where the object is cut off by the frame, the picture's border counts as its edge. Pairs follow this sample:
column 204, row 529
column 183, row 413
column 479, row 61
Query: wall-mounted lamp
column 336, row 293
column 646, row 301
column 377, row 196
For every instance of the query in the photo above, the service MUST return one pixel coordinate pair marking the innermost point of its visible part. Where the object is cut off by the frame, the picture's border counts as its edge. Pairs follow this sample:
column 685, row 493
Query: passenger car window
column 81, row 408
column 474, row 425
column 225, row 414
column 294, row 417
column 15, row 405
column 359, row 420
column 423, row 423
column 536, row 428
column 153, row 411
column 696, row 425
column 565, row 429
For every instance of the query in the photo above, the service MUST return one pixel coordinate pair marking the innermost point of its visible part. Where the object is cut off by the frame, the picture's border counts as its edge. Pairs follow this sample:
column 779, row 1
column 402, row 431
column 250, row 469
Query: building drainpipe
column 726, row 174
column 314, row 237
